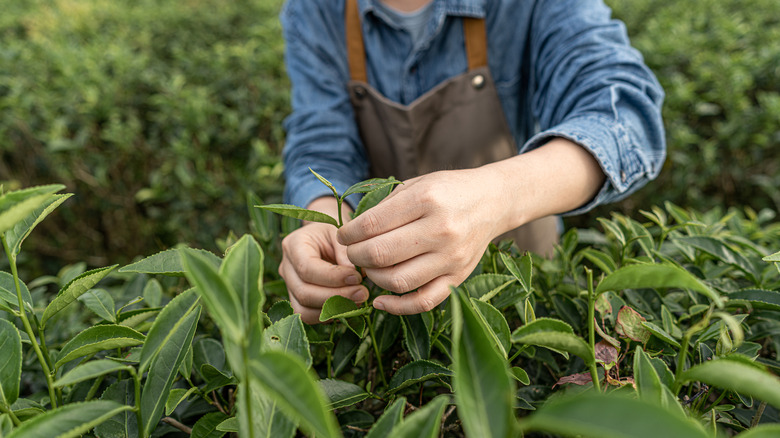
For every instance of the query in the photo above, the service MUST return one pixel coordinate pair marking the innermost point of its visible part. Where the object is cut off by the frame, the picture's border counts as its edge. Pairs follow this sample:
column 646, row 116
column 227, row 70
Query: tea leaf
column 520, row 375
column 17, row 205
column 649, row 386
column 327, row 183
column 486, row 286
column 499, row 328
column 124, row 424
column 73, row 290
column 424, row 422
column 152, row 293
column 242, row 268
column 89, row 370
column 206, row 426
column 591, row 415
column 164, row 368
column 100, row 302
column 756, row 298
column 342, row 394
column 175, row 397
column 655, row 276
column 267, row 418
column 279, row 310
column 8, row 291
column 287, row 382
column 220, row 297
column 299, row 213
column 484, row 392
column 772, row 258
column 521, row 271
column 390, row 418
column 416, row 372
column 230, row 425
column 10, row 363
column 761, row 431
column 371, row 199
column 167, row 262
column 341, row 307
column 98, row 338
column 16, row 235
column 735, row 375
column 69, row 421
column 629, row 325
column 613, row 229
column 166, row 325
column 288, row 335
column 720, row 250
column 601, row 259
column 660, row 333
column 417, row 336
column 370, row 185
column 555, row 335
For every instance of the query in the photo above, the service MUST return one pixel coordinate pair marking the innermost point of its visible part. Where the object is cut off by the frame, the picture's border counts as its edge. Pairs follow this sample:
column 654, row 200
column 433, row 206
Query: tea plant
column 658, row 328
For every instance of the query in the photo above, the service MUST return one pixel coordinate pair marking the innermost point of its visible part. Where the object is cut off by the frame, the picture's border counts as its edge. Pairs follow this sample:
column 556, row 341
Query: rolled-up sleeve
column 593, row 88
column 321, row 130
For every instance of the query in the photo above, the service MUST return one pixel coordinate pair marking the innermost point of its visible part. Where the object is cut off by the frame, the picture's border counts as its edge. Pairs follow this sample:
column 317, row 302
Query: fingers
column 422, row 300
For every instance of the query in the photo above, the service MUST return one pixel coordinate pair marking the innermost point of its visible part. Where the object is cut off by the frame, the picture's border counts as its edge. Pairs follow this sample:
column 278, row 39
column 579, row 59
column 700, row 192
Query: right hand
column 315, row 267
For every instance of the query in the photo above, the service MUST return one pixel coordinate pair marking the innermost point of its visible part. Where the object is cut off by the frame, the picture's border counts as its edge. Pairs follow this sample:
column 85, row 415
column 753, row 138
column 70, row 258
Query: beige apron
column 459, row 124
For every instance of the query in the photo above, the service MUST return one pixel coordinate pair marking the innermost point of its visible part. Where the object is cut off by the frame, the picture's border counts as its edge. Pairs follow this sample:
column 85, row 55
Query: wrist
column 329, row 206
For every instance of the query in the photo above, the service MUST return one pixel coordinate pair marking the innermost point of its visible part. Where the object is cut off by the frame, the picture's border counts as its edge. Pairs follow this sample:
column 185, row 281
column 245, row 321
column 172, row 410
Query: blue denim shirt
column 562, row 68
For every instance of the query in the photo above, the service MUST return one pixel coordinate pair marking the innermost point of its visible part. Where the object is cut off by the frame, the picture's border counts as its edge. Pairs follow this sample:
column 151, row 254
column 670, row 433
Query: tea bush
column 664, row 327
column 158, row 115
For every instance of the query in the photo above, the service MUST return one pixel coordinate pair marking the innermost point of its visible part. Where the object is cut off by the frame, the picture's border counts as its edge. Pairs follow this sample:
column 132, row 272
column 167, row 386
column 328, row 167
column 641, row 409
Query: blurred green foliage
column 161, row 115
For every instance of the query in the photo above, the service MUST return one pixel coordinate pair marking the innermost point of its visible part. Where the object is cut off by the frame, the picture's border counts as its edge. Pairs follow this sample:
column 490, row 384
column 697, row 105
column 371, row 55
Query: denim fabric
column 563, row 68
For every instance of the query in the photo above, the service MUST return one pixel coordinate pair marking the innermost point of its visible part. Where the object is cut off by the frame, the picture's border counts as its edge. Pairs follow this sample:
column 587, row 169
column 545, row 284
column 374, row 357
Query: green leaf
column 286, row 380
column 660, row 333
column 229, row 425
column 340, row 307
column 74, row 289
column 327, row 183
column 299, row 213
column 152, row 293
column 555, row 335
column 521, row 271
column 761, row 431
column 89, row 370
column 15, row 206
column 390, row 418
column 499, row 328
column 601, row 259
column 721, row 251
column 484, row 392
column 610, row 416
column 166, row 325
column 370, row 185
column 424, row 422
column 756, row 298
column 167, row 262
column 124, row 424
column 772, row 258
column 646, row 380
column 655, row 276
column 175, row 397
column 206, row 426
column 629, row 325
column 520, row 375
column 372, row 198
column 221, row 299
column 164, row 369
column 737, row 376
column 69, row 421
column 342, row 394
column 288, row 335
column 10, row 363
column 416, row 372
column 267, row 418
column 417, row 336
column 242, row 268
column 100, row 302
column 486, row 286
column 208, row 351
column 16, row 235
column 613, row 229
column 96, row 339
column 8, row 291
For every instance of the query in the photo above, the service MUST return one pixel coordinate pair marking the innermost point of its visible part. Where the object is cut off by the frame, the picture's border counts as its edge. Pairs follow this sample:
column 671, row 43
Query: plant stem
column 517, row 353
column 137, row 389
column 759, row 413
column 681, row 364
column 376, row 349
column 27, row 327
column 594, row 372
column 7, row 410
column 329, row 357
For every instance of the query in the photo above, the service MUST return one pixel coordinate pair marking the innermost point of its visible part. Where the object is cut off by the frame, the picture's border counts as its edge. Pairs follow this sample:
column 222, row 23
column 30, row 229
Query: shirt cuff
column 609, row 142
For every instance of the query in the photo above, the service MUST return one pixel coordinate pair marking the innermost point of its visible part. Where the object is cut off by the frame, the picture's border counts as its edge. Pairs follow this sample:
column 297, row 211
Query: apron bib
column 459, row 124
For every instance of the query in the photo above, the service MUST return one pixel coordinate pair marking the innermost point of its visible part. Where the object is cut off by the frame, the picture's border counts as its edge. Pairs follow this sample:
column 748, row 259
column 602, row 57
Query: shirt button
column 360, row 92
column 623, row 175
column 478, row 81
column 413, row 70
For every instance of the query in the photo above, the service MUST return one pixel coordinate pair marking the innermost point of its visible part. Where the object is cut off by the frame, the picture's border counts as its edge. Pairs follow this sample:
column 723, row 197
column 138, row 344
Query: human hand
column 427, row 235
column 315, row 267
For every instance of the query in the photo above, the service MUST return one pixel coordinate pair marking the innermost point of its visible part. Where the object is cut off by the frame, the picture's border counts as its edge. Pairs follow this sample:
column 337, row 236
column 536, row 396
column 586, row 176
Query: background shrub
column 161, row 115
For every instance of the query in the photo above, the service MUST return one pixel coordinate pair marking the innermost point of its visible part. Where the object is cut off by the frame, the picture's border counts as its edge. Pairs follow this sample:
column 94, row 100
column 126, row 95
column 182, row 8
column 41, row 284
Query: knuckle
column 399, row 284
column 370, row 225
column 425, row 304
column 378, row 255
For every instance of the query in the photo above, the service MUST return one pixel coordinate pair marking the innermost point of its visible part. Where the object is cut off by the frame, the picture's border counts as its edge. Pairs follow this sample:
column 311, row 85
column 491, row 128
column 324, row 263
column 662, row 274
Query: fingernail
column 359, row 296
column 352, row 280
column 378, row 305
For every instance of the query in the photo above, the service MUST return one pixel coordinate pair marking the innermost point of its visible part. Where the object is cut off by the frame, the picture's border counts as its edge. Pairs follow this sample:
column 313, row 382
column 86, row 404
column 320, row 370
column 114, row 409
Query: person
column 497, row 115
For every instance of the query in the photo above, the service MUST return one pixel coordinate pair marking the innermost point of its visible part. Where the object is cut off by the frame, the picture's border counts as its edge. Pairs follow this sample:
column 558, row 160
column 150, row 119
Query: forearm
column 553, row 179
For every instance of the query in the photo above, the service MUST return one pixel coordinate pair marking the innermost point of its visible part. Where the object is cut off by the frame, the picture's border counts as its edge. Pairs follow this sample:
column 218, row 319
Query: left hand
column 427, row 235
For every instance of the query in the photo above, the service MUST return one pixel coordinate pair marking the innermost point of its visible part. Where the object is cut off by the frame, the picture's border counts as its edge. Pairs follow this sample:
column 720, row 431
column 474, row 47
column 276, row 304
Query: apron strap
column 474, row 34
column 356, row 51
